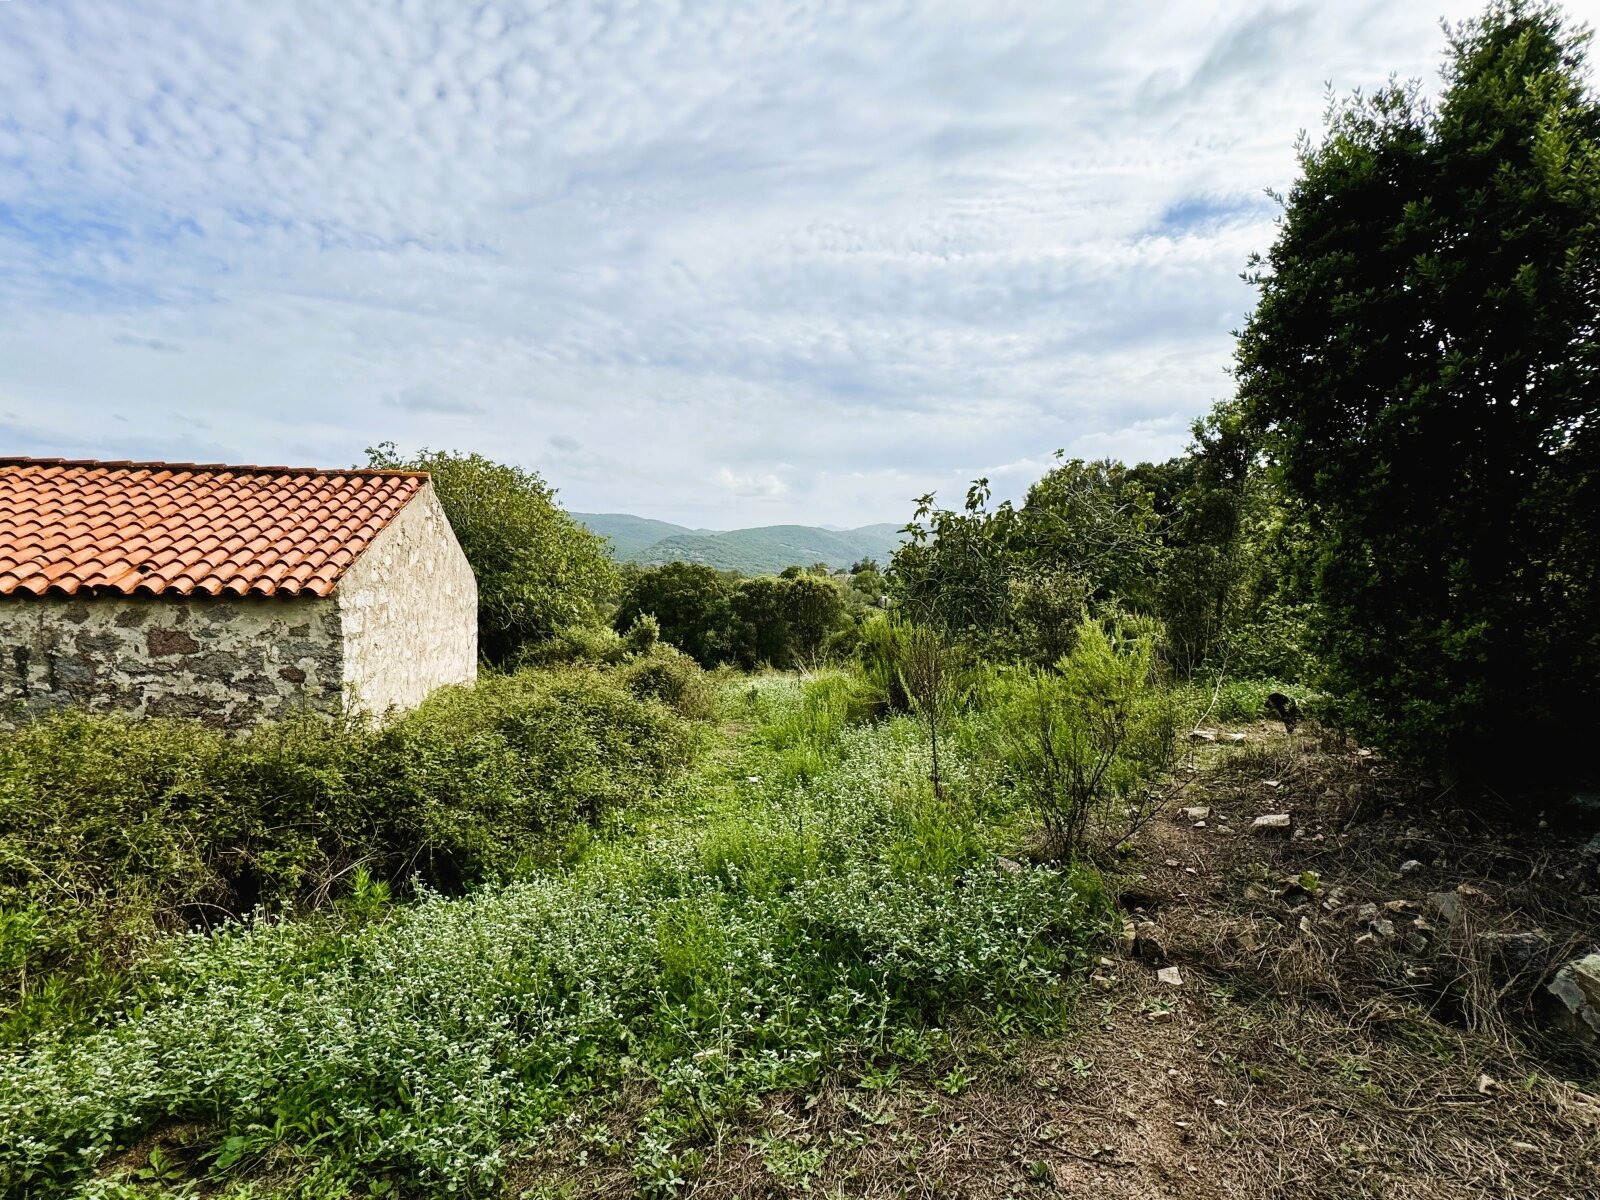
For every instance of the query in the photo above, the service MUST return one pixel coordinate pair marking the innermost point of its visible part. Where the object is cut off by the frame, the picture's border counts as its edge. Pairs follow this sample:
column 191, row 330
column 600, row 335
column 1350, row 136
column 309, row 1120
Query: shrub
column 879, row 653
column 690, row 603
column 1085, row 741
column 670, row 676
column 116, row 829
column 697, row 969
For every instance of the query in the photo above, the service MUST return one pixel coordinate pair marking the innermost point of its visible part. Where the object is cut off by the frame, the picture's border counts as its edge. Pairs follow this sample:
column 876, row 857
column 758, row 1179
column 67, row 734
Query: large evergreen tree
column 1423, row 362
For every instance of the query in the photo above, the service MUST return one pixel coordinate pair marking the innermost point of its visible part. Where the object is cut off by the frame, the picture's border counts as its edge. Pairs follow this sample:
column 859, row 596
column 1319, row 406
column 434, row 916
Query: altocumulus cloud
column 717, row 262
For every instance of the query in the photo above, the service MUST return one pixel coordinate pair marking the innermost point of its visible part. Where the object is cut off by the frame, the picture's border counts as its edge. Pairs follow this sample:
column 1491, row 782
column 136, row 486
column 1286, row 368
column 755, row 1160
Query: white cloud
column 718, row 263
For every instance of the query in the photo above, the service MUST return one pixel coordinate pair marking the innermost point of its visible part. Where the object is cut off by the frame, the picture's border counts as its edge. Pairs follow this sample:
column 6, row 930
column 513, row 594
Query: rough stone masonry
column 401, row 621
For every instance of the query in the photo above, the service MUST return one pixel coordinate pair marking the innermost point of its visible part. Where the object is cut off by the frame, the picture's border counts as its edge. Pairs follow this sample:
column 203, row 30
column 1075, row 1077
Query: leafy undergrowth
column 801, row 901
column 1303, row 1053
column 115, row 833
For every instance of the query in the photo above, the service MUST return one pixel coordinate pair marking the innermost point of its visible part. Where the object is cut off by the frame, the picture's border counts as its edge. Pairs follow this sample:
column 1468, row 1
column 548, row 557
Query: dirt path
column 1335, row 1034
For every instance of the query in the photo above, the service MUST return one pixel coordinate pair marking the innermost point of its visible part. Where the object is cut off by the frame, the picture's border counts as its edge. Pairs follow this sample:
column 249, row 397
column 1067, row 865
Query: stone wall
column 402, row 621
column 409, row 608
column 229, row 662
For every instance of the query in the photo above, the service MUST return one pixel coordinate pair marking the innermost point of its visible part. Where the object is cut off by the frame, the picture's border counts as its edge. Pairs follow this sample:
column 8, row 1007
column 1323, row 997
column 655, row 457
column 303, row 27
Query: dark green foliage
column 880, row 650
column 1015, row 582
column 954, row 571
column 692, row 605
column 538, row 570
column 1423, row 361
column 814, row 607
column 113, row 829
column 774, row 620
column 1093, row 522
column 760, row 632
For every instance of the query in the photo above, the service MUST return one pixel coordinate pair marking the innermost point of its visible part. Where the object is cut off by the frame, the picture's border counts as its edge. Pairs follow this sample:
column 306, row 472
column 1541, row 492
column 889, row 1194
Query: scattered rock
column 1375, row 921
column 1127, row 936
column 1199, row 824
column 1170, row 976
column 1170, row 862
column 1238, row 737
column 1488, row 1086
column 1576, row 989
column 1009, row 865
column 1270, row 823
column 1516, row 950
column 1198, row 813
column 1445, row 905
column 1202, row 735
column 1409, row 866
column 1272, row 783
column 1592, row 849
column 1400, row 905
column 1364, row 752
column 1149, row 943
column 1160, row 1016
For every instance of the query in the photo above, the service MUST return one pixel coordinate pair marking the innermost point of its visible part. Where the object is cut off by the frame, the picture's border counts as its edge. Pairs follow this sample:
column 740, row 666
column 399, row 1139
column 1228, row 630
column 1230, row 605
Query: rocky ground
column 1350, row 1000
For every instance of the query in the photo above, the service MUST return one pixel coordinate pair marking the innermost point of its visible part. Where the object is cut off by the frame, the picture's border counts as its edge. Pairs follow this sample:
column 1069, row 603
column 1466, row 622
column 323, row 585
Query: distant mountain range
column 760, row 551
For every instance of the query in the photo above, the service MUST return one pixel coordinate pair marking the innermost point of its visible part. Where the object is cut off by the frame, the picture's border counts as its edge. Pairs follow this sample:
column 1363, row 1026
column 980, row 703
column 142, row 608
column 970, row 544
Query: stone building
column 230, row 594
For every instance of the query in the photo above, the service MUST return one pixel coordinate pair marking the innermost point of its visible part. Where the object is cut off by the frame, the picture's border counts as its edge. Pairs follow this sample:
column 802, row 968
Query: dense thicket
column 1422, row 361
column 1402, row 505
column 111, row 829
column 771, row 620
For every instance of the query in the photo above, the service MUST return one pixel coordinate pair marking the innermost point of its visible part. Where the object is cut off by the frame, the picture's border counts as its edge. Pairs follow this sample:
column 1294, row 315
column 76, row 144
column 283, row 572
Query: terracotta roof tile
column 177, row 528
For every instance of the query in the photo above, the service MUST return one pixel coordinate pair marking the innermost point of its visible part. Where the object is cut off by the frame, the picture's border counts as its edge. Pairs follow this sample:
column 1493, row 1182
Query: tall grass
column 752, row 947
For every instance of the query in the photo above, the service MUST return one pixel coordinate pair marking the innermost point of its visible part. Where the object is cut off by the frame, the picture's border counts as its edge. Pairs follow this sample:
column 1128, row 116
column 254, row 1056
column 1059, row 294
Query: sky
column 720, row 263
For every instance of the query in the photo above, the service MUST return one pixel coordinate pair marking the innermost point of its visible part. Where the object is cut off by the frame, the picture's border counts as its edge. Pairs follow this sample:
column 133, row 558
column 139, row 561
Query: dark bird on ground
column 1285, row 709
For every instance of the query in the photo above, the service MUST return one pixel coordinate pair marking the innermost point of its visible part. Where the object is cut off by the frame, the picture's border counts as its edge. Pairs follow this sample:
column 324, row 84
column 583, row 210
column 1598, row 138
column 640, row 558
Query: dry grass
column 1307, row 1054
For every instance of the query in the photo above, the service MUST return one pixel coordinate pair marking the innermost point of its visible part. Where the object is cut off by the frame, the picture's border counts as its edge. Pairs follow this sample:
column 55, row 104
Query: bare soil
column 1343, row 1027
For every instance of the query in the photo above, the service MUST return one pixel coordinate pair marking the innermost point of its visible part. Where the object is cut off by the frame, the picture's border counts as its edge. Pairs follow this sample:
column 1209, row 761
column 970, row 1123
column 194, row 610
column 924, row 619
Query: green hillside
column 629, row 534
column 758, row 551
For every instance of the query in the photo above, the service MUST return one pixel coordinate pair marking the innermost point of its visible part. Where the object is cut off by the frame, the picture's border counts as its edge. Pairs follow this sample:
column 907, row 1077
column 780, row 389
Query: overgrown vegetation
column 112, row 830
column 764, row 928
column 1422, row 366
column 530, row 915
column 794, row 619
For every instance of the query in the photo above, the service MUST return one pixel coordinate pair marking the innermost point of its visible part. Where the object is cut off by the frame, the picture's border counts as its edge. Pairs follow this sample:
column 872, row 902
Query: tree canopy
column 1422, row 363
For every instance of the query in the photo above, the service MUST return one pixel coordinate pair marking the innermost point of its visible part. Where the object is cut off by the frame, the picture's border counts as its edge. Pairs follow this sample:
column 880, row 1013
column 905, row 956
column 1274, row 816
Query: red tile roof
column 178, row 528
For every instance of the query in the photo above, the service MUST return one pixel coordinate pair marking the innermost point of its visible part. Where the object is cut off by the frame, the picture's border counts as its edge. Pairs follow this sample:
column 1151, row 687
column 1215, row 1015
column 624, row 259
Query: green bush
column 670, row 676
column 880, row 651
column 695, row 969
column 1238, row 700
column 1086, row 741
column 116, row 829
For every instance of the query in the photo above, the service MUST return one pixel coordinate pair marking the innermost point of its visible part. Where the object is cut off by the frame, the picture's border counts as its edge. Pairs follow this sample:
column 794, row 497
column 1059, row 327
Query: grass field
column 798, row 901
